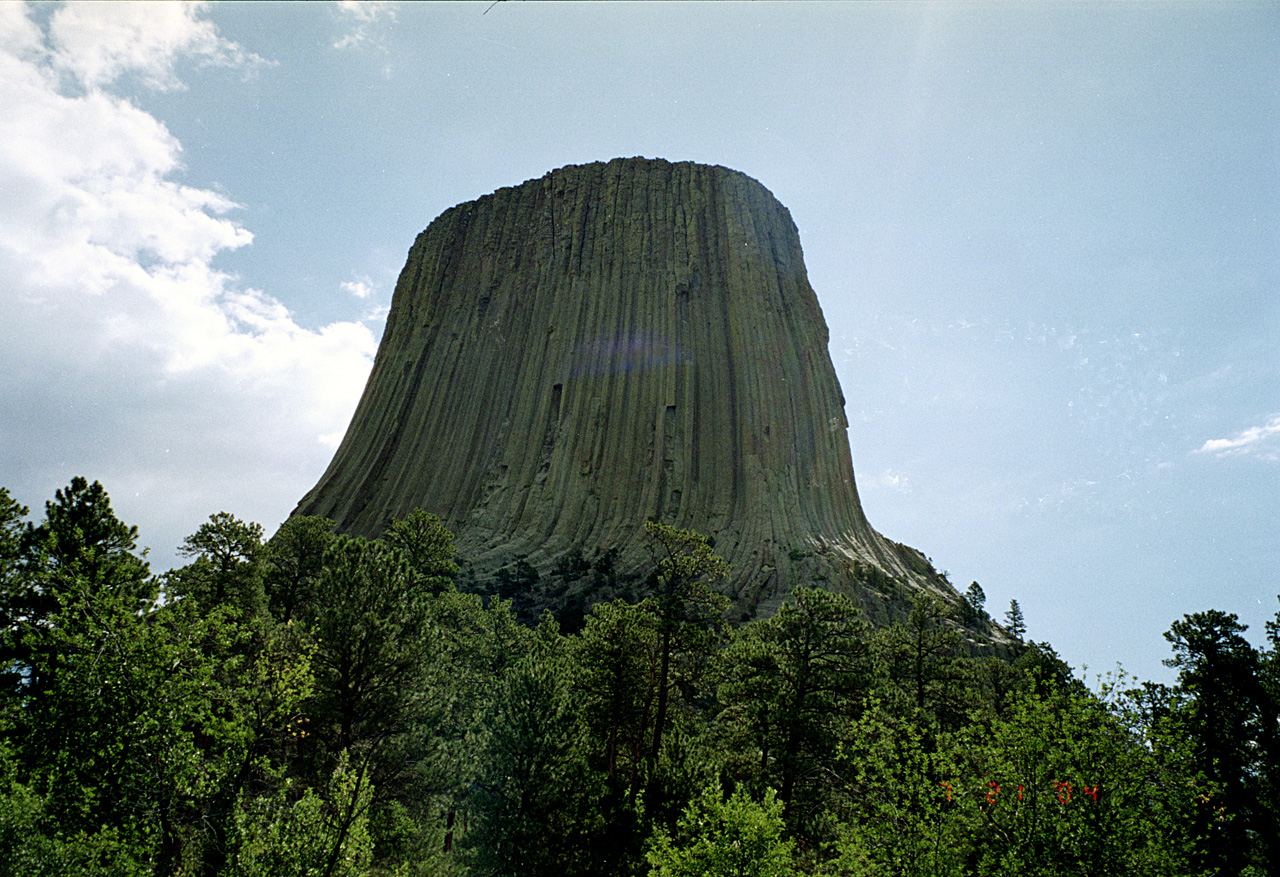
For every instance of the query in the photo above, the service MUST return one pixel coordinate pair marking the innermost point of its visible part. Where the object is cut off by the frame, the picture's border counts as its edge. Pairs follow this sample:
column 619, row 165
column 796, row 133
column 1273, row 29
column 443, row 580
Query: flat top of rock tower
column 633, row 163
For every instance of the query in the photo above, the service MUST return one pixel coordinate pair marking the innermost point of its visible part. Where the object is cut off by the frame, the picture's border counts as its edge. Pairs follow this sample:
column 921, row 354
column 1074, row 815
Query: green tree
column 383, row 687
column 975, row 601
column 226, row 567
column 791, row 684
column 471, row 649
column 900, row 814
column 1064, row 787
column 306, row 833
column 535, row 805
column 369, row 623
column 294, row 561
column 13, row 590
column 923, row 658
column 12, row 515
column 616, row 662
column 1267, row 796
column 718, row 838
column 615, row 669
column 427, row 547
column 1218, row 671
column 1014, row 622
column 81, row 540
column 79, row 549
column 687, row 609
column 137, row 724
column 124, row 735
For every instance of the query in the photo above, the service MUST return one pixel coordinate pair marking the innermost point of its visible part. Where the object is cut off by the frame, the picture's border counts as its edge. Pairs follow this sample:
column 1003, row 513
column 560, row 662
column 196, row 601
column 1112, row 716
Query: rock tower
column 611, row 343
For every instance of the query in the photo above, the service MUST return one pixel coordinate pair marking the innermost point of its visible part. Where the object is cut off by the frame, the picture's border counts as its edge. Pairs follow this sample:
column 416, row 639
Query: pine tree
column 226, row 567
column 975, row 601
column 1218, row 670
column 1014, row 622
column 686, row 606
column 791, row 683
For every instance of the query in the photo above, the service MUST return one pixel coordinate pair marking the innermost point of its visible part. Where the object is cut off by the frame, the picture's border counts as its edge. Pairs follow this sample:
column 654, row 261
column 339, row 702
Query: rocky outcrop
column 611, row 343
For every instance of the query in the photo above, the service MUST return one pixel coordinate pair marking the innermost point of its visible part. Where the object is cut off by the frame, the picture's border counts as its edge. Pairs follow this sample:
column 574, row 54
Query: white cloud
column 366, row 20
column 1260, row 441
column 361, row 287
column 97, row 42
column 129, row 356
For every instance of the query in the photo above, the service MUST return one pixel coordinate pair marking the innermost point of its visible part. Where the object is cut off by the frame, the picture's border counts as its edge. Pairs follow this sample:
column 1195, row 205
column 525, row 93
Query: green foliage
column 899, row 816
column 313, row 835
column 226, row 568
column 12, row 527
column 1073, row 792
column 323, row 705
column 370, row 624
column 81, row 541
column 1014, row 622
column 687, row 610
column 427, row 548
column 975, row 602
column 615, row 666
column 294, row 561
column 791, row 684
column 79, row 551
column 718, row 838
column 923, row 658
column 1225, row 716
column 533, row 808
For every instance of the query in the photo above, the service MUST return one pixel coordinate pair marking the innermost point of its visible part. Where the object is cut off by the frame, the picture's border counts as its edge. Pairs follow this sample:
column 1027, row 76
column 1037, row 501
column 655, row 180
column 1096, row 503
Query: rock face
column 611, row 343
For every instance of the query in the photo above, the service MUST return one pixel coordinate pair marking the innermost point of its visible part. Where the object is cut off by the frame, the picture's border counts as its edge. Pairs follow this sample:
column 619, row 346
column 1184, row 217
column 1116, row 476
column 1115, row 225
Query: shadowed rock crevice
column 611, row 343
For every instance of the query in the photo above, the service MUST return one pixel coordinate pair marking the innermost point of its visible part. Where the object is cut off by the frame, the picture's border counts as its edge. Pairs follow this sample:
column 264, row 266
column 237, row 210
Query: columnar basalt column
column 611, row 343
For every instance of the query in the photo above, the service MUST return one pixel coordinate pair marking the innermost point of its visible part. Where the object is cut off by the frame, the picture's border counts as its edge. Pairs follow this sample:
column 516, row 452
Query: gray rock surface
column 611, row 343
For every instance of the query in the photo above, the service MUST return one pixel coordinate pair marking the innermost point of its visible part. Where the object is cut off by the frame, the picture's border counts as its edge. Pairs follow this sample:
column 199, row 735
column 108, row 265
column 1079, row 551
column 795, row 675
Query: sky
column 1045, row 237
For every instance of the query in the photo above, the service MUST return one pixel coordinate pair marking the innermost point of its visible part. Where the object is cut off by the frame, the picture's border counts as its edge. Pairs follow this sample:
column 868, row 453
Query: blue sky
column 1044, row 237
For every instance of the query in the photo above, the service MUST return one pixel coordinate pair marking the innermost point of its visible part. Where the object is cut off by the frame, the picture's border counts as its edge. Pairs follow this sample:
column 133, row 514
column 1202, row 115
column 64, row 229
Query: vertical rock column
column 610, row 343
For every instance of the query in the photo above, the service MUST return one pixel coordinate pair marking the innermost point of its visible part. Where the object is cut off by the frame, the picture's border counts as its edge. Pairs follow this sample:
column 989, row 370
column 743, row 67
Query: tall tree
column 78, row 551
column 975, row 601
column 13, row 589
column 1014, row 621
column 924, row 659
column 427, row 547
column 1268, row 771
column 294, row 561
column 226, row 555
column 1218, row 671
column 536, row 804
column 616, row 660
column 369, row 623
column 687, row 608
column 12, row 527
column 792, row 682
column 80, row 545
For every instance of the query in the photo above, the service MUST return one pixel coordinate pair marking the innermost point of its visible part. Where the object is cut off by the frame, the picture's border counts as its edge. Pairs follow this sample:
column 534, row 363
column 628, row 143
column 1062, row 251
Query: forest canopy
column 316, row 704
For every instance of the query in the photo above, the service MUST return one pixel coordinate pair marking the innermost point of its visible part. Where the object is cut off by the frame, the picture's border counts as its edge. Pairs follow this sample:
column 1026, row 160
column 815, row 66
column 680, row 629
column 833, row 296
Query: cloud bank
column 181, row 389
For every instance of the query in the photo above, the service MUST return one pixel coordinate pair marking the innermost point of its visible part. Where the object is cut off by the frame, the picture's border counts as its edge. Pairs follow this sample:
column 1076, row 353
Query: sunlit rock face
column 611, row 343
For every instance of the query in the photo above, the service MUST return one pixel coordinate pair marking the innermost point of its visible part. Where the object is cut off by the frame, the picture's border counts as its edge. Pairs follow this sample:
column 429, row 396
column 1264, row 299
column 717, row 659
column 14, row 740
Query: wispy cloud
column 1260, row 441
column 895, row 481
column 361, row 287
column 99, row 42
column 135, row 358
column 366, row 22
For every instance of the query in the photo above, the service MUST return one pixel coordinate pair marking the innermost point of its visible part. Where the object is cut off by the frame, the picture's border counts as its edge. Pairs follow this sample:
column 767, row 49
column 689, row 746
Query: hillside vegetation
column 325, row 705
